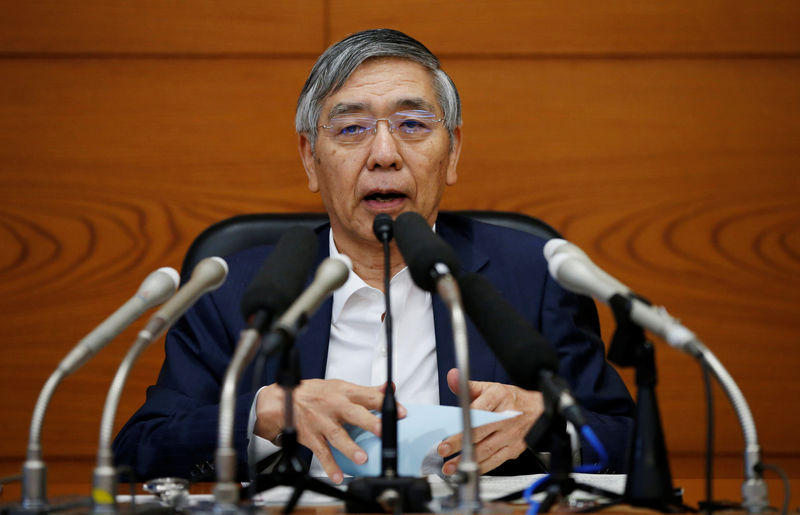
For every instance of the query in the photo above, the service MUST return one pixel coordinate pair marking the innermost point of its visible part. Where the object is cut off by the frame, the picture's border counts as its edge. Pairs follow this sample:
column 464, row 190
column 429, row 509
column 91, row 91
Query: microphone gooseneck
column 155, row 289
column 575, row 271
column 382, row 227
column 274, row 287
column 433, row 265
column 529, row 359
column 330, row 275
column 208, row 275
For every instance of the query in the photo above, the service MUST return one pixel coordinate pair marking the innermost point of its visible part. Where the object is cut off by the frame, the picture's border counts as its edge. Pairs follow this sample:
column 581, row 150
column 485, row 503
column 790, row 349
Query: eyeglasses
column 413, row 125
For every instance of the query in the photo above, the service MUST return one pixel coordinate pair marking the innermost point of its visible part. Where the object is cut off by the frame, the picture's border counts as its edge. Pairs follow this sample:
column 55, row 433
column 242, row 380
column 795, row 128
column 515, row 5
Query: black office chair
column 243, row 231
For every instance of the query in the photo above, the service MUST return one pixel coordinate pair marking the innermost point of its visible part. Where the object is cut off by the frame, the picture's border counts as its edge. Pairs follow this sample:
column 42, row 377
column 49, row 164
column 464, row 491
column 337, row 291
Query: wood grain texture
column 675, row 169
column 507, row 28
column 156, row 27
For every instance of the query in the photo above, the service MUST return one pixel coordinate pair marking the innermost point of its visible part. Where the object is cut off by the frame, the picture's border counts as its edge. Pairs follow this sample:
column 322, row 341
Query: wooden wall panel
column 154, row 26
column 679, row 177
column 506, row 28
column 109, row 169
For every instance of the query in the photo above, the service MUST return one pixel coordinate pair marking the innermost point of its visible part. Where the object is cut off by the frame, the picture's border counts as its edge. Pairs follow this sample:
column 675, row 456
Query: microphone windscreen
column 382, row 227
column 281, row 278
column 518, row 346
column 422, row 249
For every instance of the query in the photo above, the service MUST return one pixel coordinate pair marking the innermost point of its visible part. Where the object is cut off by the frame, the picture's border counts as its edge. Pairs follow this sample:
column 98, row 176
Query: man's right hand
column 321, row 407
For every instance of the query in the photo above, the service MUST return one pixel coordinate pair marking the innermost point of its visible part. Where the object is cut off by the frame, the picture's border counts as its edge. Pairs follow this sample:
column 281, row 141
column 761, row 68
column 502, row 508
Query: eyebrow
column 360, row 107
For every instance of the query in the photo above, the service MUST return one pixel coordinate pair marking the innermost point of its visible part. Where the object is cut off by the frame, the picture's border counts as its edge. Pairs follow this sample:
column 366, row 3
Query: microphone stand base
column 388, row 495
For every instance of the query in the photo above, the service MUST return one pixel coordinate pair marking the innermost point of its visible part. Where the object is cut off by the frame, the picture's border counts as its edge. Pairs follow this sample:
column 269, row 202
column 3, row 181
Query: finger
column 449, row 446
column 496, row 452
column 401, row 410
column 484, row 395
column 326, row 459
column 450, row 467
column 492, row 396
column 371, row 397
column 360, row 416
column 475, row 387
column 339, row 438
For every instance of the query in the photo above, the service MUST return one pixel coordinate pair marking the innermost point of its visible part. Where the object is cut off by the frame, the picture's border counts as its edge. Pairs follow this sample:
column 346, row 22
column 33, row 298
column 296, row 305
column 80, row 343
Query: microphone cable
column 590, row 436
column 710, row 505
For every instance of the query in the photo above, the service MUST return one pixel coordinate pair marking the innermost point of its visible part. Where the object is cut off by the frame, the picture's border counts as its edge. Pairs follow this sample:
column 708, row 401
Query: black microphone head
column 422, row 249
column 382, row 227
column 519, row 347
column 281, row 278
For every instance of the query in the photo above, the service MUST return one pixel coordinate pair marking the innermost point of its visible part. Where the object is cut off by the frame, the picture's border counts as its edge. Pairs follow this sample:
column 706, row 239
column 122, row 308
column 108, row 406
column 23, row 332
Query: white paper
column 418, row 434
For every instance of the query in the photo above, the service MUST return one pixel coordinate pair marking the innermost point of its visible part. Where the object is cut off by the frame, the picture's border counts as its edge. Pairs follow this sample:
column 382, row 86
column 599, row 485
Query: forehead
column 384, row 85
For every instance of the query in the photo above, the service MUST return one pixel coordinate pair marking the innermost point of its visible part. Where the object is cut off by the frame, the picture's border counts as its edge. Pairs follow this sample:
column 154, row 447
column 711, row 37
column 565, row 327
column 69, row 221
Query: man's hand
column 499, row 441
column 321, row 407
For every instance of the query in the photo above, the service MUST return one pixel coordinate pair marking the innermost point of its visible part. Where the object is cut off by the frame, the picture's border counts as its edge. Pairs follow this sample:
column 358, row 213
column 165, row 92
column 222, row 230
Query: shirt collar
column 356, row 285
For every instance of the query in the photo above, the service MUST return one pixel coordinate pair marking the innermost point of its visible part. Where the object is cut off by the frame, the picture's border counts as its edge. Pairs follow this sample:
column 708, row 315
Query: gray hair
column 339, row 61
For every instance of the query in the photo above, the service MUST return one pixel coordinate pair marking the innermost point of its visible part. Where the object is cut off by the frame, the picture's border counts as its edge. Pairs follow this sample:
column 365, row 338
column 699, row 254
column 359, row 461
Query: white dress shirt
column 357, row 347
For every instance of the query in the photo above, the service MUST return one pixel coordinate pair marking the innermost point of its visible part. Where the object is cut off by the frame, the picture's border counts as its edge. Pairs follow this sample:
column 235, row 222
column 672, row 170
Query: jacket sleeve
column 570, row 322
column 175, row 432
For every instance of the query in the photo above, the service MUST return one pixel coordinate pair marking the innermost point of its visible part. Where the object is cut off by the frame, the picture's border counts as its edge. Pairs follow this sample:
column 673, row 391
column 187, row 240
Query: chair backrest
column 243, row 231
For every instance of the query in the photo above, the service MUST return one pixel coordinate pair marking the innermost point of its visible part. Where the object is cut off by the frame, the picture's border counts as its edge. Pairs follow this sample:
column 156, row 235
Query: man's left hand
column 500, row 441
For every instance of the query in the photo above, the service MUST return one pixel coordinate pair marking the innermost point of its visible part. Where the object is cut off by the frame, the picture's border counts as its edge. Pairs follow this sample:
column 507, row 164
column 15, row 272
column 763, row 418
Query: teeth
column 384, row 197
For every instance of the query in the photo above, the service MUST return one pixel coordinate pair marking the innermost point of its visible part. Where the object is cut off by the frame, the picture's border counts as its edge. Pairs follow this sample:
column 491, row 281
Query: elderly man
column 379, row 126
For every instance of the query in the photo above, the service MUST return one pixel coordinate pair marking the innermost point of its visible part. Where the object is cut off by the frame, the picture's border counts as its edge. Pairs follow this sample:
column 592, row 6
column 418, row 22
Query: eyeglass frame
column 372, row 129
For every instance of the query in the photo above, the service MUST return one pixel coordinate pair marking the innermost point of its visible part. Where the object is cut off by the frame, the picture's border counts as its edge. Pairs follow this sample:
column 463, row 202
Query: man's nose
column 383, row 149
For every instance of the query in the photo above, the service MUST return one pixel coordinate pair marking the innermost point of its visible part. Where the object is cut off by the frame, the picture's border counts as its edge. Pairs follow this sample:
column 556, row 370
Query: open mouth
column 387, row 196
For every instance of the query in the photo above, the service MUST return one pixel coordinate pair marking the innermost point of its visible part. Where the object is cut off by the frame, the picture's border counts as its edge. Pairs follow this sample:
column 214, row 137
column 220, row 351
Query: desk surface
column 694, row 491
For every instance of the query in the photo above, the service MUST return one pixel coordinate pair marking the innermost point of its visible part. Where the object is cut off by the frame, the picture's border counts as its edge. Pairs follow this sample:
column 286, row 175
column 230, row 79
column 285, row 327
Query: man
column 379, row 127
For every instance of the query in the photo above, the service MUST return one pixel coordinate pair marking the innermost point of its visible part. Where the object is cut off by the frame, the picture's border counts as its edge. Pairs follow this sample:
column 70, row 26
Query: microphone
column 433, row 265
column 208, row 275
column 382, row 226
column 281, row 278
column 155, row 289
column 530, row 361
column 573, row 270
column 330, row 275
column 428, row 257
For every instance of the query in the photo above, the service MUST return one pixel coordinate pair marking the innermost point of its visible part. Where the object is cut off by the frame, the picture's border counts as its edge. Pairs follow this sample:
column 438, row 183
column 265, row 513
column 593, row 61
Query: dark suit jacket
column 175, row 432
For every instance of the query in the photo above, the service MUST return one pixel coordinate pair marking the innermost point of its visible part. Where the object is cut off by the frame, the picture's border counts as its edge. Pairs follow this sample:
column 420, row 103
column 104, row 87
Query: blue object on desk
column 418, row 433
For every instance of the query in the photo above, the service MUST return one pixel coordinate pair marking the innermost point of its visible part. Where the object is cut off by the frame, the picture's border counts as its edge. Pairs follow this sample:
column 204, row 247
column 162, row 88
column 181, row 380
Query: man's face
column 382, row 174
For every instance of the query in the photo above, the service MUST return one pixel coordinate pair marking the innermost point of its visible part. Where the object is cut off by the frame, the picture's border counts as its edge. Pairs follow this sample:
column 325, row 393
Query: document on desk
column 418, row 435
column 491, row 488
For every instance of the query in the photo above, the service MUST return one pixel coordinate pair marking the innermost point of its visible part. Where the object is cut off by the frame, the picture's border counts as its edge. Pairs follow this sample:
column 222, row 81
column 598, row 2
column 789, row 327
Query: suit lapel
column 458, row 233
column 312, row 342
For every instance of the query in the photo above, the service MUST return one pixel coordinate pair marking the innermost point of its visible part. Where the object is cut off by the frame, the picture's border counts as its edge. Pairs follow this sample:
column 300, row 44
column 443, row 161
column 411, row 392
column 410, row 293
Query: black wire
column 787, row 489
column 709, row 435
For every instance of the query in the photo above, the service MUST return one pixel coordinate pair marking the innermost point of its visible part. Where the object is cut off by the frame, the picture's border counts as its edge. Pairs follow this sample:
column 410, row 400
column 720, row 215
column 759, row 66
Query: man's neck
column 368, row 259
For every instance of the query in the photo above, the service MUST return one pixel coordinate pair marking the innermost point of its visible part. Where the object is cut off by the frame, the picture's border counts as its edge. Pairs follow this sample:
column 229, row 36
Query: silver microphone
column 155, row 289
column 331, row 274
column 573, row 270
column 208, row 275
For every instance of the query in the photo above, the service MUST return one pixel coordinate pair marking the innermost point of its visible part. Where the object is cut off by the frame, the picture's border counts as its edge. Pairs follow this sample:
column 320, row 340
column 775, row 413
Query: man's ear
column 455, row 152
column 309, row 163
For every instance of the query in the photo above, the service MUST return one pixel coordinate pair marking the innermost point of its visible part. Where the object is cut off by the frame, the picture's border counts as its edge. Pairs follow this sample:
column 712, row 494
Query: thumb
column 475, row 387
